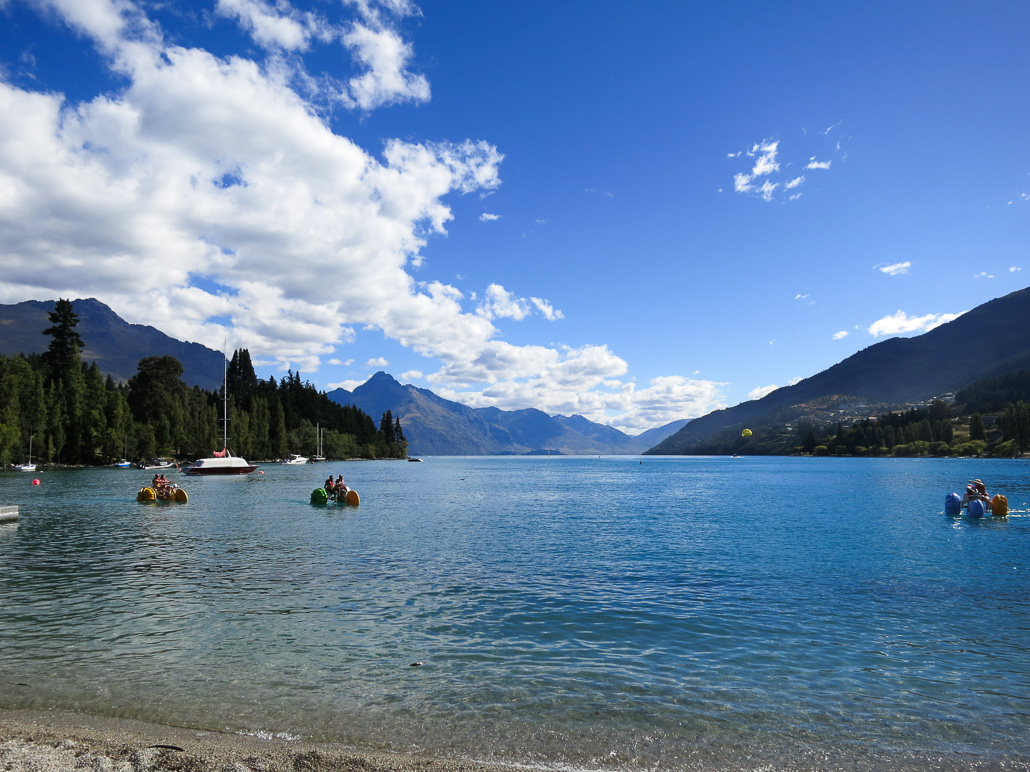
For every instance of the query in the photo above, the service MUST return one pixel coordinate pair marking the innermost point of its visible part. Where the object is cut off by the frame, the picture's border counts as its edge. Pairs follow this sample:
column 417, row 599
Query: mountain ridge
column 114, row 344
column 991, row 338
column 437, row 426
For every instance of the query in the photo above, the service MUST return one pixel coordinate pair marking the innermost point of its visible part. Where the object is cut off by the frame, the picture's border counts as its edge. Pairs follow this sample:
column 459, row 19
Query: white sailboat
column 222, row 462
column 29, row 467
column 318, row 455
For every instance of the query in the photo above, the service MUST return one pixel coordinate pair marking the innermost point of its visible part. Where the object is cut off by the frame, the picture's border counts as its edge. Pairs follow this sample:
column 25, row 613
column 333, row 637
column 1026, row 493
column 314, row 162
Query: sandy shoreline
column 62, row 741
column 57, row 741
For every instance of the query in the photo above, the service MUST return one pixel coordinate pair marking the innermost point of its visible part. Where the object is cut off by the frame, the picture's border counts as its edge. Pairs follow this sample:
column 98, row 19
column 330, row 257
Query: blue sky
column 636, row 212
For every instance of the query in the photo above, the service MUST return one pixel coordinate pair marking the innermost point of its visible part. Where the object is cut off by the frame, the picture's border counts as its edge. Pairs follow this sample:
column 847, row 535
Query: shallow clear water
column 627, row 612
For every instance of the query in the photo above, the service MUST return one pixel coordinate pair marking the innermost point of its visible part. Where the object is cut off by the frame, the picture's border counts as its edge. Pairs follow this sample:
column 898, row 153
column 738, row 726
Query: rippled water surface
column 624, row 612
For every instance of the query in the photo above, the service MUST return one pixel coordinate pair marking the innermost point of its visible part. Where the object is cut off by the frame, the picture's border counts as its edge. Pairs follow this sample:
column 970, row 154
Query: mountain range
column 436, row 426
column 432, row 425
column 987, row 342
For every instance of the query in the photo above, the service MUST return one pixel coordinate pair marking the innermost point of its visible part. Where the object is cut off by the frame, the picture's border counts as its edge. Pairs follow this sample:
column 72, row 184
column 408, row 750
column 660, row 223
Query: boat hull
column 198, row 471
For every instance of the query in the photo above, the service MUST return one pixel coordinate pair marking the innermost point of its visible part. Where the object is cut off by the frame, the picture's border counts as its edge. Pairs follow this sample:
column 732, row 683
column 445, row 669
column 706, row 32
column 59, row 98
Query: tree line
column 932, row 431
column 73, row 415
column 989, row 418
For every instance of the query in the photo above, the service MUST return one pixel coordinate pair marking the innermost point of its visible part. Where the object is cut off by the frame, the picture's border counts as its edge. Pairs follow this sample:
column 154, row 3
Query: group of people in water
column 335, row 488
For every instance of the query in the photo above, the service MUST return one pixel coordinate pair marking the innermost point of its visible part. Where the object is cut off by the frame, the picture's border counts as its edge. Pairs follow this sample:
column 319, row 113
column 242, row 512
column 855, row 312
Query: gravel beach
column 45, row 741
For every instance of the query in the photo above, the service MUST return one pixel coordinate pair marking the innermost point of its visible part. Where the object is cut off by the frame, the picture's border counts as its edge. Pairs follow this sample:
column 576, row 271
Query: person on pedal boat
column 973, row 493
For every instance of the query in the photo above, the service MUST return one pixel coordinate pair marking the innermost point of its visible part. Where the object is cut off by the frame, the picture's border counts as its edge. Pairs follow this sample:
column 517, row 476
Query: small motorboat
column 163, row 493
column 346, row 496
column 158, row 463
column 295, row 458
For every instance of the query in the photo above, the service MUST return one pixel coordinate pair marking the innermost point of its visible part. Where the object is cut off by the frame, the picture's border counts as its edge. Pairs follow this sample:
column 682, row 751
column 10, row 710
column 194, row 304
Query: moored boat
column 158, row 463
column 318, row 458
column 295, row 458
column 29, row 466
column 222, row 462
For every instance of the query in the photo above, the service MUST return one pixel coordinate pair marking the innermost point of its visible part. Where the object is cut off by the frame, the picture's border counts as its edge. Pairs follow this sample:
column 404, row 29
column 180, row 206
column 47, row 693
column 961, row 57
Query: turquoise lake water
column 601, row 613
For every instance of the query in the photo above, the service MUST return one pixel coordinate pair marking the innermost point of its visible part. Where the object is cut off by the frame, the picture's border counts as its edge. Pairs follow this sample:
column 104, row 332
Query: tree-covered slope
column 990, row 340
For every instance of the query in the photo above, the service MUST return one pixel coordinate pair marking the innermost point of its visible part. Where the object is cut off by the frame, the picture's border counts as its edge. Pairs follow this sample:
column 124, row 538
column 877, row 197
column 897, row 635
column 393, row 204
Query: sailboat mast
column 225, row 402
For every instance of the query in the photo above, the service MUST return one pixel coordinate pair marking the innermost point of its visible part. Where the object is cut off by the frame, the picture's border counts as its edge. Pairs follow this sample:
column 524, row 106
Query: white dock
column 8, row 514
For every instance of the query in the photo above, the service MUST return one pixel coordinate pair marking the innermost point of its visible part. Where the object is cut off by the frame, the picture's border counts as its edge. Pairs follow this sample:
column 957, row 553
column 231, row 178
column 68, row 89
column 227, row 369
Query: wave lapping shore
column 57, row 741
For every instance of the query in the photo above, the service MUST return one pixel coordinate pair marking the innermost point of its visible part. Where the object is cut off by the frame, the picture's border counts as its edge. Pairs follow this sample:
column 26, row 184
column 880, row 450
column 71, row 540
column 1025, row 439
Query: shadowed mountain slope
column 989, row 341
column 114, row 344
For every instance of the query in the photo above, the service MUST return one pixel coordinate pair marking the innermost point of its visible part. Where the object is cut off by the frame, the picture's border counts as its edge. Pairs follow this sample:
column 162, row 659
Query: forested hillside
column 989, row 341
column 991, row 417
column 76, row 416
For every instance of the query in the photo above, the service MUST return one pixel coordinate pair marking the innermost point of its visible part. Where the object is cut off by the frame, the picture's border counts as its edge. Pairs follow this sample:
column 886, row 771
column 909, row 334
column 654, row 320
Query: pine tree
column 65, row 350
column 63, row 361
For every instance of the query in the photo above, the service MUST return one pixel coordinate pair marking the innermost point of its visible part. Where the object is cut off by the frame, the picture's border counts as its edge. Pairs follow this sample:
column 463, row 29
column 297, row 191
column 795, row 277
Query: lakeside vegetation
column 73, row 415
column 989, row 418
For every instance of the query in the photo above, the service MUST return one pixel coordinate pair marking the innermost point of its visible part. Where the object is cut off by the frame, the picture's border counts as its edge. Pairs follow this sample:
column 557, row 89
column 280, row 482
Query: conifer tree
column 65, row 350
column 63, row 360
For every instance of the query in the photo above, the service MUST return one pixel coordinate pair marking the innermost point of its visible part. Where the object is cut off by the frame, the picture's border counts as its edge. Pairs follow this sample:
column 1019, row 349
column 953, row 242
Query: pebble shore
column 52, row 741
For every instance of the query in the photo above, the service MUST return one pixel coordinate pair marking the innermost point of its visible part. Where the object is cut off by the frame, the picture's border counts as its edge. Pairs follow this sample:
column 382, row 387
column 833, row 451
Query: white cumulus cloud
column 895, row 269
column 762, row 391
column 900, row 323
column 274, row 27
